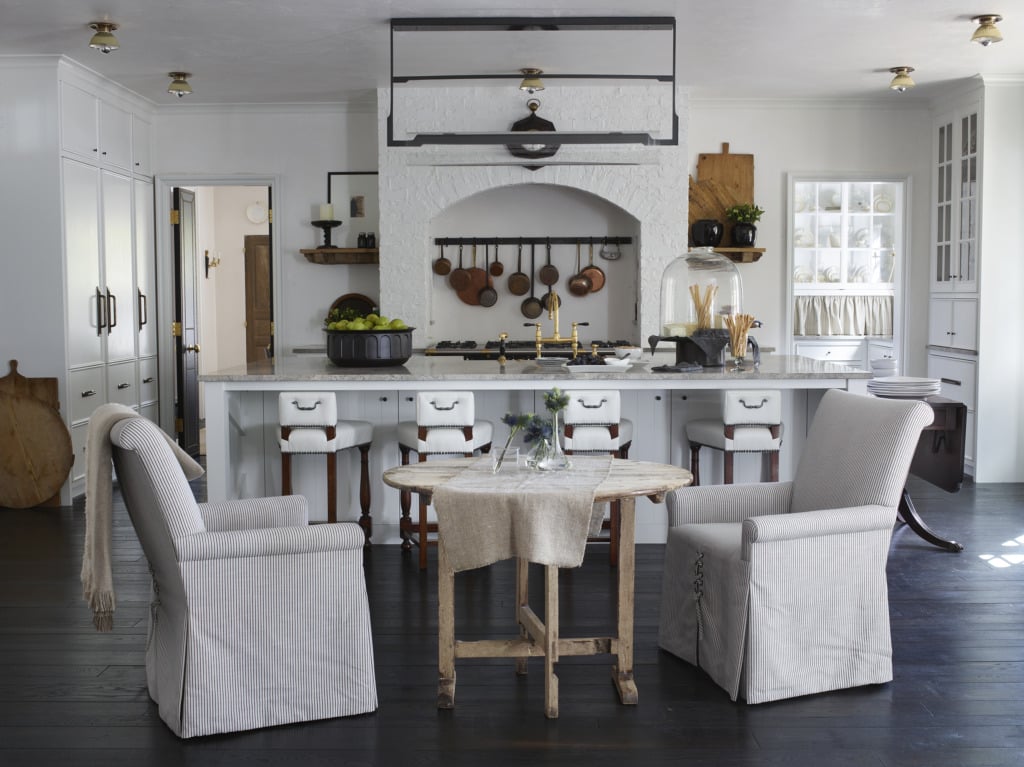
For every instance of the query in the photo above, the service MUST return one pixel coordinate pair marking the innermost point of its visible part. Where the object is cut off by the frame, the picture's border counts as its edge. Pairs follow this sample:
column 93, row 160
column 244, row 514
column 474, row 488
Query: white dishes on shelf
column 904, row 387
column 883, row 203
column 884, row 366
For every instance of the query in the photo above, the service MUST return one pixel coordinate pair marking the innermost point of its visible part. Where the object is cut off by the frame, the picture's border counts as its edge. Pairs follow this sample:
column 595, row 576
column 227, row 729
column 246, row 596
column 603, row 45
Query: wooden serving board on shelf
column 723, row 180
column 35, row 446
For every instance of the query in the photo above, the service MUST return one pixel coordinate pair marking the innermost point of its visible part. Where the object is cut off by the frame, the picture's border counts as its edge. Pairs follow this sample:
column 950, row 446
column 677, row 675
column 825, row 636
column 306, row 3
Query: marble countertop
column 774, row 368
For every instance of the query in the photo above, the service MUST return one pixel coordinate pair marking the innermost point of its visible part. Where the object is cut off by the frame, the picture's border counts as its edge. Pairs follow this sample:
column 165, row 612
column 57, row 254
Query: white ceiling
column 266, row 51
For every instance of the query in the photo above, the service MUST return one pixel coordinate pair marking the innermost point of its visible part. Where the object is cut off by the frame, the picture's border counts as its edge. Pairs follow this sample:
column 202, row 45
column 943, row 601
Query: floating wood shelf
column 741, row 255
column 342, row 255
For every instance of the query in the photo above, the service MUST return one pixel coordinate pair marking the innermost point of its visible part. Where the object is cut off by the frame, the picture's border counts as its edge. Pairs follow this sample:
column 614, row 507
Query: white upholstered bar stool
column 593, row 424
column 445, row 425
column 751, row 422
column 309, row 425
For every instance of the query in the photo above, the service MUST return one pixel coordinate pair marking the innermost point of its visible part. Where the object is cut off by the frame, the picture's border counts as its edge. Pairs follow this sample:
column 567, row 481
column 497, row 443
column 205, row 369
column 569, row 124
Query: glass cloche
column 698, row 290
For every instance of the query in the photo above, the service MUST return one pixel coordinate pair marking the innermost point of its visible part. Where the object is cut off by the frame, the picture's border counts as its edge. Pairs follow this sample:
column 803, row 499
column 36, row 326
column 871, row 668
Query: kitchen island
column 243, row 459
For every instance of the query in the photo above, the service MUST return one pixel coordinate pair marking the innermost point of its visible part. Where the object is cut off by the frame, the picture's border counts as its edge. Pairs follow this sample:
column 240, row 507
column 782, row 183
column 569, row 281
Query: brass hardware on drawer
column 123, row 385
column 148, row 380
column 952, row 381
column 89, row 393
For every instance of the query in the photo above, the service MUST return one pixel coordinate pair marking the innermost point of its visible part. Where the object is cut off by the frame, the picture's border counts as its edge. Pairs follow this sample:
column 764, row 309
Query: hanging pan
column 442, row 266
column 579, row 284
column 496, row 268
column 487, row 296
column 531, row 307
column 459, row 278
column 548, row 272
column 518, row 282
column 594, row 272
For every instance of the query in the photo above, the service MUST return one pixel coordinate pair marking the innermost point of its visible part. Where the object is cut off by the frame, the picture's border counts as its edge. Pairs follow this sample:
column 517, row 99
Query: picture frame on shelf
column 355, row 196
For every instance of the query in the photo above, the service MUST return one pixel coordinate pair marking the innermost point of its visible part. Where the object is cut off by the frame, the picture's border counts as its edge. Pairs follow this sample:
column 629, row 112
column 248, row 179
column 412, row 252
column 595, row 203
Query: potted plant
column 744, row 216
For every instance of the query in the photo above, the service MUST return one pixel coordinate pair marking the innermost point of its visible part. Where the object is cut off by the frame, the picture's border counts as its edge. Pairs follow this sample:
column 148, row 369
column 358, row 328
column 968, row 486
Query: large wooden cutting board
column 723, row 180
column 35, row 447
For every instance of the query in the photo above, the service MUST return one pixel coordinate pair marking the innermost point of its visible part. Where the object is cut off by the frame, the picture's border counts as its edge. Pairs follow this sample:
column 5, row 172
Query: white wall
column 298, row 144
column 805, row 137
column 1000, row 413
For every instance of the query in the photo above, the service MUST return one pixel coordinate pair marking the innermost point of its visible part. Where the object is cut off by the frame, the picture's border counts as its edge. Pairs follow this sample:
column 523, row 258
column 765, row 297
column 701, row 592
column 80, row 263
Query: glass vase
column 549, row 453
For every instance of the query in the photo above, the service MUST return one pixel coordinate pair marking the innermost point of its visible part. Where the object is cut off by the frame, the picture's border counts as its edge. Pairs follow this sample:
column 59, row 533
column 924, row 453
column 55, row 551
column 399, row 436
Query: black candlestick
column 327, row 225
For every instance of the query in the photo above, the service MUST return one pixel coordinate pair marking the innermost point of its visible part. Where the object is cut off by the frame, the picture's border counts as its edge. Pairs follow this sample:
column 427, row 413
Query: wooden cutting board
column 723, row 180
column 35, row 447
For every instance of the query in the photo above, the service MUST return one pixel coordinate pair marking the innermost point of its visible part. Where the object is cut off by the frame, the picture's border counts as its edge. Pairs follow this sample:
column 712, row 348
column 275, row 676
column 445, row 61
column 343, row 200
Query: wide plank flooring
column 71, row 696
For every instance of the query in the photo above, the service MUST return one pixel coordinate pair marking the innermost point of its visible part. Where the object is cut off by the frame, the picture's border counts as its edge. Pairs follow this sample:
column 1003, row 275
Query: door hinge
column 270, row 216
column 271, row 328
column 175, row 217
column 179, row 425
column 176, row 329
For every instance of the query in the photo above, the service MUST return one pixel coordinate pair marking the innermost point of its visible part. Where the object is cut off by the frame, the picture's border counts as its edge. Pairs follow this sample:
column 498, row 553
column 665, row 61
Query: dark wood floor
column 70, row 696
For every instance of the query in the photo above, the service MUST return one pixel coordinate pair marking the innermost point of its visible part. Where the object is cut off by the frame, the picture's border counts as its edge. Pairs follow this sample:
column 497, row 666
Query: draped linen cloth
column 842, row 315
column 543, row 517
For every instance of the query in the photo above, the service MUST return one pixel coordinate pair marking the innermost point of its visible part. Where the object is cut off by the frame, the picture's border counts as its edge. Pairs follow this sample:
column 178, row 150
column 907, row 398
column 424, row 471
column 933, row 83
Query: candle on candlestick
column 327, row 212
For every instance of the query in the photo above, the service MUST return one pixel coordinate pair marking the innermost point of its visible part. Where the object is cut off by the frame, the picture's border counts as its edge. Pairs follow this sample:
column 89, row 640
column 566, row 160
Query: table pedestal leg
column 550, row 641
column 622, row 671
column 908, row 514
column 445, row 630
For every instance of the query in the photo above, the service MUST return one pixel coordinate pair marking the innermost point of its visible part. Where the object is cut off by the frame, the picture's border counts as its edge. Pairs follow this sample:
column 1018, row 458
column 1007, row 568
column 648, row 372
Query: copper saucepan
column 518, row 282
column 442, row 266
column 496, row 268
column 595, row 273
column 548, row 272
column 579, row 284
column 532, row 307
column 487, row 296
column 459, row 278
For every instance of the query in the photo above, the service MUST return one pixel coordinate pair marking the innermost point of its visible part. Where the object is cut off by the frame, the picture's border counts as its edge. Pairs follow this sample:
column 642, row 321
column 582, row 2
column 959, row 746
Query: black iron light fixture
column 533, row 123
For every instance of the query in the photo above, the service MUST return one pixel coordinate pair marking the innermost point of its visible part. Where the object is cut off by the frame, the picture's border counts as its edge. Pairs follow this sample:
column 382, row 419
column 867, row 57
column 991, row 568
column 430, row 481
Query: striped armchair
column 779, row 589
column 257, row 617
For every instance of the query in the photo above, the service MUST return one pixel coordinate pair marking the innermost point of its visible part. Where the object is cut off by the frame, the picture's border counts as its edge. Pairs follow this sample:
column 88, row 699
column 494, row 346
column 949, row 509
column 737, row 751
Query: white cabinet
column 958, row 374
column 844, row 351
column 956, row 202
column 145, row 268
column 953, row 322
column 118, row 273
column 85, row 302
column 141, row 153
column 93, row 129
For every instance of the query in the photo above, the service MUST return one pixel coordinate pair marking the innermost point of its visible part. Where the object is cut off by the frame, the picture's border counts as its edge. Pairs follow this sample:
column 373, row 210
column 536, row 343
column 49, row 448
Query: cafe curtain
column 842, row 316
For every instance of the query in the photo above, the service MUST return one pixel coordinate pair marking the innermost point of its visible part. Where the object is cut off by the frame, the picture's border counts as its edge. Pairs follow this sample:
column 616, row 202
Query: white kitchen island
column 243, row 459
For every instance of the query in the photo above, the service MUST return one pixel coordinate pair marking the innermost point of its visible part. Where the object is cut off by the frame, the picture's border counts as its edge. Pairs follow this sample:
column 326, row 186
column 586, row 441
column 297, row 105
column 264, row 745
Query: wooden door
column 185, row 311
column 258, row 305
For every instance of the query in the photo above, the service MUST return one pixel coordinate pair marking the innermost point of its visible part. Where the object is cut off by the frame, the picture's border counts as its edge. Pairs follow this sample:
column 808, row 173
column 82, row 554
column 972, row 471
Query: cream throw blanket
column 97, row 577
column 542, row 517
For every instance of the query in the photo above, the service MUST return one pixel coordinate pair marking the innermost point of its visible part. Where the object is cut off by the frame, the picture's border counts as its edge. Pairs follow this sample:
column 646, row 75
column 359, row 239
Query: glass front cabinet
column 847, row 249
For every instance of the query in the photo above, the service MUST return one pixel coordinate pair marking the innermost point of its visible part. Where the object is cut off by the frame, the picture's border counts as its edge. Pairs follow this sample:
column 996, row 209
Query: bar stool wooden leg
column 286, row 473
column 695, row 464
column 332, row 487
column 365, row 520
column 405, row 501
column 727, row 462
column 773, row 466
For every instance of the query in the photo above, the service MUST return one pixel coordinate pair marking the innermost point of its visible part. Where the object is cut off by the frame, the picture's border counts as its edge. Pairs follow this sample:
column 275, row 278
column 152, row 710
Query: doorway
column 233, row 292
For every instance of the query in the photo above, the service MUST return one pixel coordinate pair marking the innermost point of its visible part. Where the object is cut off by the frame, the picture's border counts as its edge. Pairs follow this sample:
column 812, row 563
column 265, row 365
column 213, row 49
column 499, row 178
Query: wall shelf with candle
column 342, row 255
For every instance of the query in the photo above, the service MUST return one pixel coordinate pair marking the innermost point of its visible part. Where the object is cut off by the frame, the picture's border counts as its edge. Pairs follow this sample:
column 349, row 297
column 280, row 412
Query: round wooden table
column 626, row 481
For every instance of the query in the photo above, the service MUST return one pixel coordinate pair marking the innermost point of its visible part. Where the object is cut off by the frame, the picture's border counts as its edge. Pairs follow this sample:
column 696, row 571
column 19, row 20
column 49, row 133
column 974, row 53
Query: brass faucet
column 540, row 339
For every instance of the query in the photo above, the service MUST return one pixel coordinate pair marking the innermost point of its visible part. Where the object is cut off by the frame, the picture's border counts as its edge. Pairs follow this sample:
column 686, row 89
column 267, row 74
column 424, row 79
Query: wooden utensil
column 594, row 273
column 518, row 282
column 496, row 268
column 532, row 307
column 487, row 295
column 548, row 272
column 442, row 266
column 459, row 278
column 579, row 283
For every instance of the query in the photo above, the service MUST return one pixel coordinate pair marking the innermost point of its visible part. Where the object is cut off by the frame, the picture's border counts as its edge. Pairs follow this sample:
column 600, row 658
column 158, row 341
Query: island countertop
column 775, row 370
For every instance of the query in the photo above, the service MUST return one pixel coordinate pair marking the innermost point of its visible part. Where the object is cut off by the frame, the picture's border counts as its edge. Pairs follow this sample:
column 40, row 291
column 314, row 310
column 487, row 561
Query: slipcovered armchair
column 778, row 589
column 257, row 617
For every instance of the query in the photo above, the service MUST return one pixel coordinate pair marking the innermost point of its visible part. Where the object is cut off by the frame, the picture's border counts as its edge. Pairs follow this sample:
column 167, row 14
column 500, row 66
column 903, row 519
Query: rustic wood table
column 538, row 637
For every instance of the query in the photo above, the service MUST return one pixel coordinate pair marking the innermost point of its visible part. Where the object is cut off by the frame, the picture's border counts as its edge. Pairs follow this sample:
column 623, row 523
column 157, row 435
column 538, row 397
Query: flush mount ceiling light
column 179, row 84
column 987, row 32
column 901, row 78
column 531, row 80
column 104, row 40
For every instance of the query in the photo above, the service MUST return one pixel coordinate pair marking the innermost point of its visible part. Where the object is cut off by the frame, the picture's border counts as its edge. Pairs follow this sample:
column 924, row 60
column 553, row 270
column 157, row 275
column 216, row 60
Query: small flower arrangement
column 536, row 428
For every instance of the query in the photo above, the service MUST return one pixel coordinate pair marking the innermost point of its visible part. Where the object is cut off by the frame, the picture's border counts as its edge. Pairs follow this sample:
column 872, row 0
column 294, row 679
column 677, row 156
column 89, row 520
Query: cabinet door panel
column 78, row 127
column 85, row 306
column 140, row 147
column 115, row 137
column 145, row 268
column 119, row 278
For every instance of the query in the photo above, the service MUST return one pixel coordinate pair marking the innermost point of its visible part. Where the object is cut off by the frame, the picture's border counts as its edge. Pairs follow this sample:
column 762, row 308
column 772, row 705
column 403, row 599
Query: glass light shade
column 987, row 32
column 699, row 289
column 901, row 79
column 179, row 84
column 531, row 81
column 104, row 40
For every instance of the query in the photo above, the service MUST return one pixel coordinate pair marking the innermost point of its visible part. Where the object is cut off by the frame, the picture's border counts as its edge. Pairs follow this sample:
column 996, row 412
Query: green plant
column 745, row 213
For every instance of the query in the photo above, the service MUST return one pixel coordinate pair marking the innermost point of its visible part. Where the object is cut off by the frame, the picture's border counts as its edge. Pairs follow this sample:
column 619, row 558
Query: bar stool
column 445, row 425
column 751, row 422
column 593, row 424
column 309, row 425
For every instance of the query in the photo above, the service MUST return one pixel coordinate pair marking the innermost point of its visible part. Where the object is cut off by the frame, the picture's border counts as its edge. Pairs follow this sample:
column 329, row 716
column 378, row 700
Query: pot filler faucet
column 540, row 339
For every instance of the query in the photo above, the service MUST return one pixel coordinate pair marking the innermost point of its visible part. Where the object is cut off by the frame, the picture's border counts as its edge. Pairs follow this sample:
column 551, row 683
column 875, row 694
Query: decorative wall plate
column 256, row 213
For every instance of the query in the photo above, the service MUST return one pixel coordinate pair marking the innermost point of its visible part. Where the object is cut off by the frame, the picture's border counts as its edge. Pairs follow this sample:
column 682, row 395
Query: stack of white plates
column 904, row 387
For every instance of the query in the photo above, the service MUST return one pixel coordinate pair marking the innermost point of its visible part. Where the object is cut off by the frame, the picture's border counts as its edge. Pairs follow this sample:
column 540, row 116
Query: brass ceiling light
column 179, row 84
column 104, row 40
column 531, row 80
column 901, row 79
column 987, row 32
